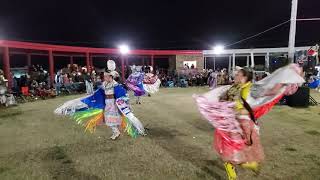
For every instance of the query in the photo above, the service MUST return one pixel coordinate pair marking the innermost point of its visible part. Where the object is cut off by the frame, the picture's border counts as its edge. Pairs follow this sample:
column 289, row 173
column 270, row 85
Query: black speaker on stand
column 300, row 98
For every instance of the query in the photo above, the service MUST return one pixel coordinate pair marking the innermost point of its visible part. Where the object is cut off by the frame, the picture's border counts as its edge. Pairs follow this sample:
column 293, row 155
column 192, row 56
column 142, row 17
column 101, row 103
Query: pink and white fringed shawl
column 228, row 141
column 221, row 114
column 269, row 91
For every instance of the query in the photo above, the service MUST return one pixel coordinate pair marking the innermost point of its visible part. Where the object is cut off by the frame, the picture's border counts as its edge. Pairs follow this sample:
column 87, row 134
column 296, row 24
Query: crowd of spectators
column 75, row 79
column 196, row 78
column 71, row 79
column 36, row 82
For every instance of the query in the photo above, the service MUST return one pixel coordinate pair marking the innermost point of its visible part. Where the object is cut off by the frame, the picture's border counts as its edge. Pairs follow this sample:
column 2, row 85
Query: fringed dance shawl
column 262, row 97
column 134, row 83
column 141, row 83
column 151, row 83
column 89, row 111
column 258, row 99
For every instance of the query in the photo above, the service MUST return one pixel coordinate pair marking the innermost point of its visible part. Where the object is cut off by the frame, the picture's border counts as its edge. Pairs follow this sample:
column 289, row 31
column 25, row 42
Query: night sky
column 165, row 24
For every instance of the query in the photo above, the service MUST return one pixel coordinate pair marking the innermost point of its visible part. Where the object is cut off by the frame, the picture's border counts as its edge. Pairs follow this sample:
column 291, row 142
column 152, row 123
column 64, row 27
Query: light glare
column 218, row 49
column 124, row 49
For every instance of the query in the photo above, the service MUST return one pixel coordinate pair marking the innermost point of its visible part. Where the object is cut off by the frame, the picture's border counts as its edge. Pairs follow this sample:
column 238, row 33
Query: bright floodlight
column 124, row 49
column 218, row 49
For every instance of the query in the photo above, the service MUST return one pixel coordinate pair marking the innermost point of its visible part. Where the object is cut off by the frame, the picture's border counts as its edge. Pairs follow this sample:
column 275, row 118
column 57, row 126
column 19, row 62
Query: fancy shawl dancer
column 213, row 79
column 108, row 104
column 234, row 110
column 135, row 83
column 141, row 83
column 151, row 82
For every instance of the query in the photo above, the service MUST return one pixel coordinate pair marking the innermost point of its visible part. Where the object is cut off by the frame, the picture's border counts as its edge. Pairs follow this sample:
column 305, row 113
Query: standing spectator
column 198, row 80
column 99, row 80
column 2, row 78
column 15, row 85
column 88, row 81
column 66, row 82
column 193, row 80
column 213, row 80
column 58, row 82
column 48, row 80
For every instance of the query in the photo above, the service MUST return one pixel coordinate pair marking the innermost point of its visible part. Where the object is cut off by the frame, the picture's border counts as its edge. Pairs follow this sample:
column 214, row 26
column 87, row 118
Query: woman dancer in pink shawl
column 234, row 110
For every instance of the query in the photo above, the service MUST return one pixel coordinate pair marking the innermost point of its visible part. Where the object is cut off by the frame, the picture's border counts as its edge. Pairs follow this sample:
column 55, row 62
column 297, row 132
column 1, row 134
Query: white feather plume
column 111, row 65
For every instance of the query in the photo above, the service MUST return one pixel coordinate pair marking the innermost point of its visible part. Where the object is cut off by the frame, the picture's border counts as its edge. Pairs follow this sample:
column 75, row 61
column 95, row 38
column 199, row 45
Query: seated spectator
column 34, row 85
column 198, row 81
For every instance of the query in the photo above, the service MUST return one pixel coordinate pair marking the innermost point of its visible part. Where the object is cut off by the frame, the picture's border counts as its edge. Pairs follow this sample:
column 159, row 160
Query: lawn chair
column 170, row 84
column 25, row 91
column 183, row 83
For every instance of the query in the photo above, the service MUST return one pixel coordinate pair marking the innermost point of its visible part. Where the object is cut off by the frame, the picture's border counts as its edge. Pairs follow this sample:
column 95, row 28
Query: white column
column 248, row 61
column 233, row 61
column 317, row 57
column 252, row 60
column 229, row 67
column 214, row 63
column 205, row 62
column 267, row 59
column 292, row 35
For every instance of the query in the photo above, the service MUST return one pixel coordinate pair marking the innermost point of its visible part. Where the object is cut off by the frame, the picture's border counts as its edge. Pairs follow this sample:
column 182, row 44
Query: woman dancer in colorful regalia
column 109, row 104
column 234, row 110
column 151, row 82
column 141, row 83
column 112, row 115
column 213, row 80
column 135, row 83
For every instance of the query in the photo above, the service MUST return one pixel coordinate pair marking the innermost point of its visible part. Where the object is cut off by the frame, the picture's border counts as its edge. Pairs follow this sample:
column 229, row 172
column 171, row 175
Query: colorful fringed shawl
column 151, row 83
column 89, row 111
column 140, row 83
column 134, row 83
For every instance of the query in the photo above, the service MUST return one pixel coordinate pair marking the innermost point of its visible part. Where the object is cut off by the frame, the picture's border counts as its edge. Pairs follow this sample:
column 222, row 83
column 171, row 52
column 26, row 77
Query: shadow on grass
column 60, row 166
column 4, row 169
column 313, row 132
column 53, row 160
column 185, row 152
column 202, row 125
column 290, row 149
column 5, row 113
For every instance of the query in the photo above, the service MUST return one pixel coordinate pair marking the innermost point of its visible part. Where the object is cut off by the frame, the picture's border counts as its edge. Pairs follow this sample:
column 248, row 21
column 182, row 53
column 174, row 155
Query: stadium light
column 218, row 49
column 124, row 49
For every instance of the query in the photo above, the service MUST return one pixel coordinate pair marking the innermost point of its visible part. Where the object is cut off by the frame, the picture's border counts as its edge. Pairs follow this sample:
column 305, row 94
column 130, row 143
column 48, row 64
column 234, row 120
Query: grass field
column 36, row 144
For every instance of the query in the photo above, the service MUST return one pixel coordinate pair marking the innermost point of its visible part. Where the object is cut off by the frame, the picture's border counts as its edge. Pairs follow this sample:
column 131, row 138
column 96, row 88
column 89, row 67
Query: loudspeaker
column 300, row 98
